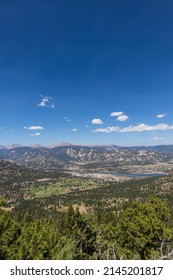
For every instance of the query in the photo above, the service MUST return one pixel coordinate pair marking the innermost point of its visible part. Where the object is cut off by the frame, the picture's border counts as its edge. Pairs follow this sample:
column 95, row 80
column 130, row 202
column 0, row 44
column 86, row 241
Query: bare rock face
column 59, row 155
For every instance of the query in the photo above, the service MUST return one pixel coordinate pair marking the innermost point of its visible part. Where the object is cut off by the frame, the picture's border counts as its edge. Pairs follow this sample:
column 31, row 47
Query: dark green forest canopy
column 143, row 230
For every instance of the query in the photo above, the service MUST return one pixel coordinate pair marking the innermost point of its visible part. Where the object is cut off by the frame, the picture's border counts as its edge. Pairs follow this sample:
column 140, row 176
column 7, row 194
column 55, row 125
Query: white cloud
column 86, row 126
column 97, row 121
column 158, row 138
column 136, row 128
column 47, row 102
column 122, row 118
column 116, row 114
column 144, row 127
column 35, row 134
column 34, row 127
column 160, row 116
column 108, row 129
column 74, row 129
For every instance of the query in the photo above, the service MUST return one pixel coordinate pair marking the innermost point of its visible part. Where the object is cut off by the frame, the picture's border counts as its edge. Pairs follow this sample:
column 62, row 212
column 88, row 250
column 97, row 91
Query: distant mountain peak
column 36, row 145
column 11, row 146
column 63, row 144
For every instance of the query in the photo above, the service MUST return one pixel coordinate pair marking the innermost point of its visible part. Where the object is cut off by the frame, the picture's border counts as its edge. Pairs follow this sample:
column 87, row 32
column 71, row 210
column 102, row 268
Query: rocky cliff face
column 54, row 157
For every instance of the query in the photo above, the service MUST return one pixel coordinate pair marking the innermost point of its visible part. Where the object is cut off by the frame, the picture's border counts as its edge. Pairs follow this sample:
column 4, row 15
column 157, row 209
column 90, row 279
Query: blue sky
column 86, row 72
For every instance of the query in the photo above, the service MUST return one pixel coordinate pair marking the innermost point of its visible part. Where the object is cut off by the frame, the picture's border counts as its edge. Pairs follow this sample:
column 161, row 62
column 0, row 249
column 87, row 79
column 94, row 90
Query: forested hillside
column 142, row 230
column 50, row 214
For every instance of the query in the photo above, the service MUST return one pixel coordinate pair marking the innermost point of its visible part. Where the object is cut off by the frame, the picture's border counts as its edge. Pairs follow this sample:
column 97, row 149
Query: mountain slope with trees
column 142, row 231
column 58, row 156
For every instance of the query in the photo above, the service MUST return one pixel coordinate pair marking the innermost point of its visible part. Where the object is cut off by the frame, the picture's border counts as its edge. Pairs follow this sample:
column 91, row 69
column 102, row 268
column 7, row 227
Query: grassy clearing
column 62, row 186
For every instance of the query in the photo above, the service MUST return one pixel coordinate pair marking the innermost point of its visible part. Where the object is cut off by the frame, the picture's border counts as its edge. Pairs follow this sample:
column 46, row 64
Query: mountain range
column 55, row 156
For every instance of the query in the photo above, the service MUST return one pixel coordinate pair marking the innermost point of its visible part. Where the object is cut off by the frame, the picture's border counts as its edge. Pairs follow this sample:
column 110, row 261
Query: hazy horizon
column 61, row 144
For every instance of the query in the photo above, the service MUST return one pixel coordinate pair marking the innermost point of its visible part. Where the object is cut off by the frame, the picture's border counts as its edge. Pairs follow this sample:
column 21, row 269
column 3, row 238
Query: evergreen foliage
column 139, row 231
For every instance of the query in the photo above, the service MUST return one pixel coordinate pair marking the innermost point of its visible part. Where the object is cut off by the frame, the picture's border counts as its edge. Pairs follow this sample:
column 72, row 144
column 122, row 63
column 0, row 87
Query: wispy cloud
column 144, row 127
column 34, row 127
column 137, row 128
column 108, row 129
column 35, row 134
column 47, row 102
column 122, row 118
column 97, row 121
column 116, row 114
column 74, row 129
column 67, row 119
column 158, row 138
column 160, row 116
